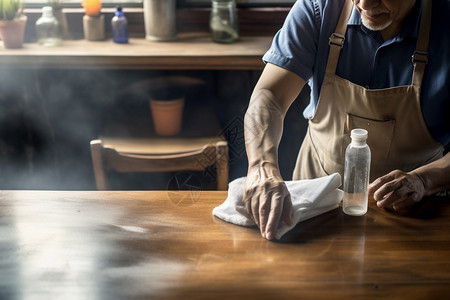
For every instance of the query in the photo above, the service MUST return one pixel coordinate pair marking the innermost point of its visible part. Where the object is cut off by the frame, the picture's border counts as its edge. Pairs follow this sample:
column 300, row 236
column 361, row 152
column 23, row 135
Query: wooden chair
column 159, row 155
column 128, row 143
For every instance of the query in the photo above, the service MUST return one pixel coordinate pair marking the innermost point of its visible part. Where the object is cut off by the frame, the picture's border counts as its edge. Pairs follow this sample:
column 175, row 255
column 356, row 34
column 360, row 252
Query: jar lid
column 47, row 11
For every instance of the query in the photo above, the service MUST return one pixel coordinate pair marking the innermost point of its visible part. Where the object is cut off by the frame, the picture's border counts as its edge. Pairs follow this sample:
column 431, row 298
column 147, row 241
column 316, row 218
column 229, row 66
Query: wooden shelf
column 190, row 51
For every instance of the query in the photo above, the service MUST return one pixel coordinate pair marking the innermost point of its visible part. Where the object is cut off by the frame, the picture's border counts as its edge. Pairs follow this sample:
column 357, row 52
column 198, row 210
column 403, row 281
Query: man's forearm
column 263, row 127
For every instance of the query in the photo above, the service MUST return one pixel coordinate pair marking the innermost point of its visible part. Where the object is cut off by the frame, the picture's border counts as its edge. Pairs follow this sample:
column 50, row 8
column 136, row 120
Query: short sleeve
column 294, row 47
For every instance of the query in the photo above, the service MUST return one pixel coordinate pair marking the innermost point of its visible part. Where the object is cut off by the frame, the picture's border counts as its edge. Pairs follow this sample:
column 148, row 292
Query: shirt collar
column 355, row 17
column 410, row 30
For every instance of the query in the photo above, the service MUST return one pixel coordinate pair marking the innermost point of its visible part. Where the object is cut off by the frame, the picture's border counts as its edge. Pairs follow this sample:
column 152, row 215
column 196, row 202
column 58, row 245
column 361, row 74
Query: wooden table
column 167, row 245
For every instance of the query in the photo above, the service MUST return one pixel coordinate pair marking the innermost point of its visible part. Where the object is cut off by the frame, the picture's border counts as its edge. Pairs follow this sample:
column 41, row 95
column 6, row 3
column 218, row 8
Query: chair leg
column 222, row 165
column 97, row 162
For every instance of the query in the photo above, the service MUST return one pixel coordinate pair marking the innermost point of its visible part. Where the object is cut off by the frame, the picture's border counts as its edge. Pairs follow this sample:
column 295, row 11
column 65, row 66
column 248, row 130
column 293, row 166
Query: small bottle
column 223, row 22
column 48, row 30
column 356, row 174
column 119, row 26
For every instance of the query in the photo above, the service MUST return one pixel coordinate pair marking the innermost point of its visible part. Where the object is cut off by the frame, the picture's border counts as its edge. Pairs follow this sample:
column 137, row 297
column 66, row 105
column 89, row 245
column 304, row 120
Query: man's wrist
column 425, row 187
column 265, row 164
column 265, row 169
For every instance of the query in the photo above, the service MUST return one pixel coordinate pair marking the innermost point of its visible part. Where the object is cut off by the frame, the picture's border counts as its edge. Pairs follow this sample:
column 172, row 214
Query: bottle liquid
column 223, row 22
column 119, row 26
column 356, row 174
column 48, row 31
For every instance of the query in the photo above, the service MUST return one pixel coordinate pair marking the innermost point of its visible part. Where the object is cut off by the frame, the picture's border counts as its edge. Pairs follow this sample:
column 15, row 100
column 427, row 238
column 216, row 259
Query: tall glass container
column 48, row 31
column 356, row 174
column 223, row 22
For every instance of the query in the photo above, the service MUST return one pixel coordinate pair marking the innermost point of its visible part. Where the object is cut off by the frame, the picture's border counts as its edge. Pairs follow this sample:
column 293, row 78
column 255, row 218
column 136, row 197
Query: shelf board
column 190, row 51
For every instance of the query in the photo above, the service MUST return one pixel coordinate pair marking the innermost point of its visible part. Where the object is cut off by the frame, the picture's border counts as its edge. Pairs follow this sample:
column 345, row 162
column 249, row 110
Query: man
column 370, row 64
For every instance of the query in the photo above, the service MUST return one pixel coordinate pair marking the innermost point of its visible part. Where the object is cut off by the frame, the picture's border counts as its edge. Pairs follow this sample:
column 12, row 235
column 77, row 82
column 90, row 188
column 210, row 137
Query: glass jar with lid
column 48, row 31
column 223, row 22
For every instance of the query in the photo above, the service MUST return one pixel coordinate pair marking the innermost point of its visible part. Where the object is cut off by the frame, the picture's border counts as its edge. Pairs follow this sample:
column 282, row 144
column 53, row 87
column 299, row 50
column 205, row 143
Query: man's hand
column 267, row 200
column 398, row 190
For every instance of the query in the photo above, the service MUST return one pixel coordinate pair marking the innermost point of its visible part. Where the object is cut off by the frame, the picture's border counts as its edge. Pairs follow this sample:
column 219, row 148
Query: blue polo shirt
column 301, row 46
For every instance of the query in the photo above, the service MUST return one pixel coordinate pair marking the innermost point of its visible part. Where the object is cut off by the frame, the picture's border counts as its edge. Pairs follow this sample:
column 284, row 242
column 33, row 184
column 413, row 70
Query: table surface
column 167, row 245
column 190, row 51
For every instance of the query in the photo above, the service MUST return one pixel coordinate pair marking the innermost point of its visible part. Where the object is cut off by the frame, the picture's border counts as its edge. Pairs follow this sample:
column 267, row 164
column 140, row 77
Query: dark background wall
column 48, row 118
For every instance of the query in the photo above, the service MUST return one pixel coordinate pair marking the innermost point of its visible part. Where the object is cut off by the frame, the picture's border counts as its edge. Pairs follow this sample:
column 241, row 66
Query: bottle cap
column 359, row 134
column 119, row 11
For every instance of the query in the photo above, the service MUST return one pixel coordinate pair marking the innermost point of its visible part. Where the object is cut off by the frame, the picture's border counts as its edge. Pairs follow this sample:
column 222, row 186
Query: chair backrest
column 105, row 157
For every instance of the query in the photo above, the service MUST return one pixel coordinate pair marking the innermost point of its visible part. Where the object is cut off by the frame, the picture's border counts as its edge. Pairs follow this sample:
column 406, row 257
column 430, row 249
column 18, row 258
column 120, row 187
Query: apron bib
column 398, row 137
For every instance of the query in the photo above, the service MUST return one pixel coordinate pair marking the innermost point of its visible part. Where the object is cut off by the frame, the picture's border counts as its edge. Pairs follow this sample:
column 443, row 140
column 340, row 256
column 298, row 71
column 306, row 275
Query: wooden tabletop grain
column 167, row 245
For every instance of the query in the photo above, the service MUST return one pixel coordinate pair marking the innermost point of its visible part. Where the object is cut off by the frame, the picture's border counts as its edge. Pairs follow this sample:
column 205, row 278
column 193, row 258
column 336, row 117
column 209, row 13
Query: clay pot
column 167, row 116
column 12, row 32
column 167, row 96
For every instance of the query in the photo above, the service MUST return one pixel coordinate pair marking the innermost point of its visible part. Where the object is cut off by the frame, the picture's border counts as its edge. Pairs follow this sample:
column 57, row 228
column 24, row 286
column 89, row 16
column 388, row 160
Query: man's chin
column 376, row 27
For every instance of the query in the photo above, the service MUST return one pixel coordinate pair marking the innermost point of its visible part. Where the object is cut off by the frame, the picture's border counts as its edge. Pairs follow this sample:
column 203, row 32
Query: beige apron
column 398, row 136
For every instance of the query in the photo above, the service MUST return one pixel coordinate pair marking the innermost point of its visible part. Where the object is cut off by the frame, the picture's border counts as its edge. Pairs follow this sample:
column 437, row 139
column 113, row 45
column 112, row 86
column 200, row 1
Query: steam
column 48, row 118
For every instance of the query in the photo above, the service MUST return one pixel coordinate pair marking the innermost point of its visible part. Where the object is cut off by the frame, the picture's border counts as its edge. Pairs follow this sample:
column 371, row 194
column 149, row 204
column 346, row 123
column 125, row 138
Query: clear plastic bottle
column 119, row 26
column 356, row 174
column 48, row 31
column 223, row 22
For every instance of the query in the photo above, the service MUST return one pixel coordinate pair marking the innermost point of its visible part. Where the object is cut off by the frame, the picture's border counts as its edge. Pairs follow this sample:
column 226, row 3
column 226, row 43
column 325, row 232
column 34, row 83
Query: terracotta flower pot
column 167, row 116
column 12, row 32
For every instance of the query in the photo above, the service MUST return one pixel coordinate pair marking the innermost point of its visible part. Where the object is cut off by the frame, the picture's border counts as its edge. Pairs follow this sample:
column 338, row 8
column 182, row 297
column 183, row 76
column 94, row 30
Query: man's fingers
column 391, row 200
column 400, row 198
column 386, row 190
column 288, row 210
column 274, row 217
column 380, row 181
column 255, row 210
column 374, row 186
column 264, row 210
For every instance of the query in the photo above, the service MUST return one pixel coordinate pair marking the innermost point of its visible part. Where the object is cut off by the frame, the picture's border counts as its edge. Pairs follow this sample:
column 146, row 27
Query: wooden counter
column 190, row 51
column 167, row 245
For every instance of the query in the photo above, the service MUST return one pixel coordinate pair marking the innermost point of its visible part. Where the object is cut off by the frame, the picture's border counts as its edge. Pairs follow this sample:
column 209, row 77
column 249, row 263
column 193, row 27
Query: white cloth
column 309, row 198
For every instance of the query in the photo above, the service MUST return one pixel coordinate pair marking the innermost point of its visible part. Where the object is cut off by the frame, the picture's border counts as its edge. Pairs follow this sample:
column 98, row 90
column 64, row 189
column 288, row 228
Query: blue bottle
column 119, row 26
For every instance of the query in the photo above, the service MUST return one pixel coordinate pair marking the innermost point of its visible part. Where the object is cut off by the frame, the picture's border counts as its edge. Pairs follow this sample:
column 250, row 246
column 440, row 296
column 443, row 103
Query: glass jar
column 48, row 31
column 223, row 22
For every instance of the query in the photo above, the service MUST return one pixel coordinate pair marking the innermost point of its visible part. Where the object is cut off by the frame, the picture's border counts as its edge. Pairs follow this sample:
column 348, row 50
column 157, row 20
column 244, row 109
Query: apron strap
column 337, row 39
column 420, row 56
